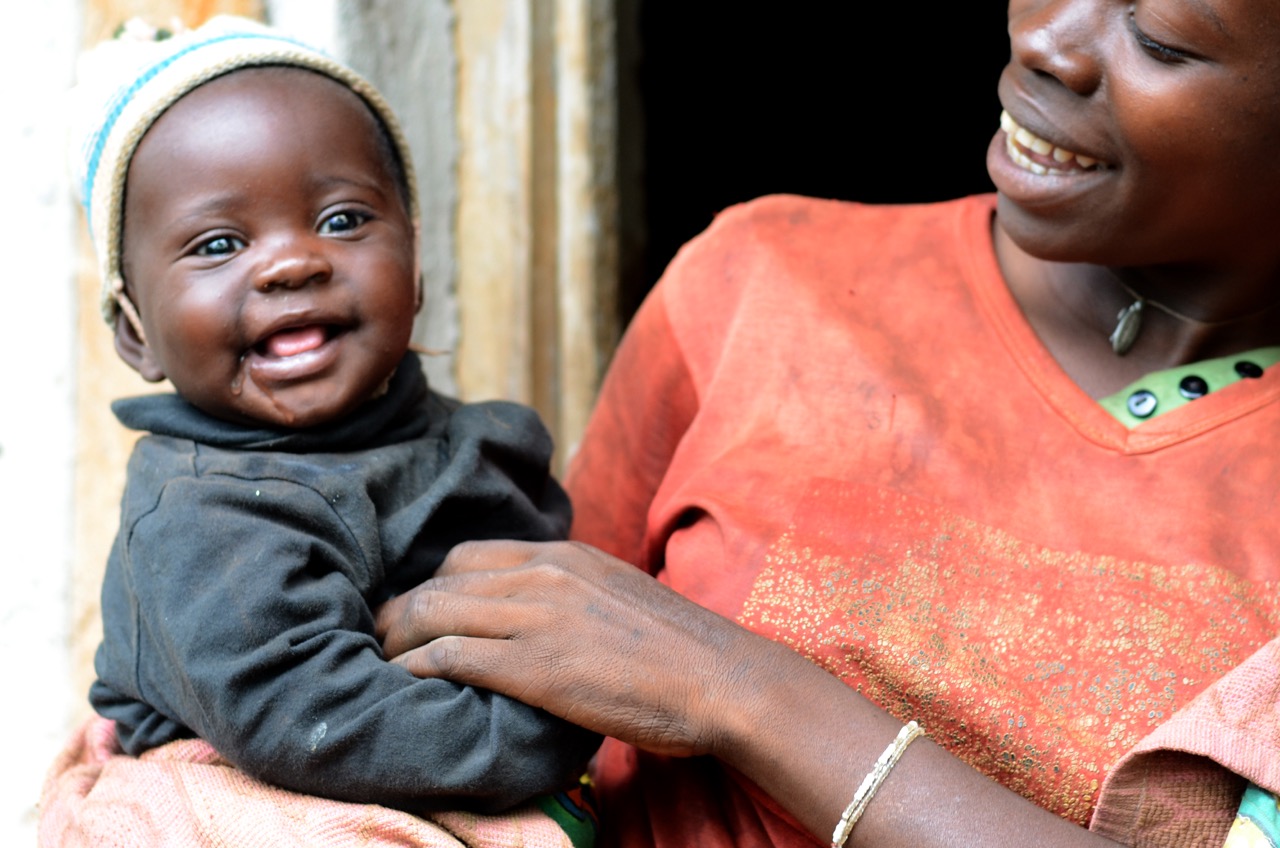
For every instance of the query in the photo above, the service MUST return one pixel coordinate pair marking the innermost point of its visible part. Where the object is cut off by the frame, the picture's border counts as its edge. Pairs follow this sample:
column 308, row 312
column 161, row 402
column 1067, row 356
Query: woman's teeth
column 1019, row 138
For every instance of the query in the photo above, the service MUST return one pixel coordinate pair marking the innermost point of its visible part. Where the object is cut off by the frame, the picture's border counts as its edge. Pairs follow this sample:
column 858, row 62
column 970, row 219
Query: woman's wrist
column 808, row 741
column 797, row 732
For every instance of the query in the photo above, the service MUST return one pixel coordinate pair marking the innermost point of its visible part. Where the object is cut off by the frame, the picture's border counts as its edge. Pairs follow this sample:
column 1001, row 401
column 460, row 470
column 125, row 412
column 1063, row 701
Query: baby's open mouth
column 295, row 340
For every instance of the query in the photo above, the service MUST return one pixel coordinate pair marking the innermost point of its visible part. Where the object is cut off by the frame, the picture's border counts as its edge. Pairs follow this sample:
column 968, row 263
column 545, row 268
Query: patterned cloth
column 184, row 794
column 1172, row 788
column 1257, row 824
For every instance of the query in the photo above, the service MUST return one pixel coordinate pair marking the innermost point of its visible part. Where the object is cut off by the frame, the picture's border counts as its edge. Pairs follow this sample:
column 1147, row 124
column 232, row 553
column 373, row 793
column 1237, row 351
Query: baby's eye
column 219, row 246
column 342, row 222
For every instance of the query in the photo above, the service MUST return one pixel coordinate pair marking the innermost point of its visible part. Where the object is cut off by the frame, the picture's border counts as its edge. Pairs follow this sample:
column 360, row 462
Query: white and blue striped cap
column 125, row 85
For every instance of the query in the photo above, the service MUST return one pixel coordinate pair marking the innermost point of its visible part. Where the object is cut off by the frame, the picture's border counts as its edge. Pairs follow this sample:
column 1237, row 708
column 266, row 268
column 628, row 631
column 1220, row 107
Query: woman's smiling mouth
column 1043, row 158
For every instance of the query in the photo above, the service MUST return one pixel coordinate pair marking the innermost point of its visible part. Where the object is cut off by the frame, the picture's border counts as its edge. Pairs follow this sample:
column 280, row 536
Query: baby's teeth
column 1006, row 122
column 1060, row 155
column 1042, row 147
column 1024, row 137
column 1086, row 161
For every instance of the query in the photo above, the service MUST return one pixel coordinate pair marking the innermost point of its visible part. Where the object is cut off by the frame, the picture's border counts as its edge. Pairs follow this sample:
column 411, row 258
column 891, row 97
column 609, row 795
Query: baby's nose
column 290, row 263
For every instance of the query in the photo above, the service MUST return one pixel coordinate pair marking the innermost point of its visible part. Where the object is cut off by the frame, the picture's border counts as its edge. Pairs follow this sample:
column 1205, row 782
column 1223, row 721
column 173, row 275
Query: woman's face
column 1178, row 101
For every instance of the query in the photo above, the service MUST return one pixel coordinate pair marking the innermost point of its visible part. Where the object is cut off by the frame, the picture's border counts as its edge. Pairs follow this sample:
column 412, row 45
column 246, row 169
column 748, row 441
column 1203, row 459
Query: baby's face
column 268, row 250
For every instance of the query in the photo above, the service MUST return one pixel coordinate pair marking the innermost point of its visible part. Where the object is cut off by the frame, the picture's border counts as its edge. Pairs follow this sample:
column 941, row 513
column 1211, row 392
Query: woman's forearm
column 616, row 651
column 808, row 741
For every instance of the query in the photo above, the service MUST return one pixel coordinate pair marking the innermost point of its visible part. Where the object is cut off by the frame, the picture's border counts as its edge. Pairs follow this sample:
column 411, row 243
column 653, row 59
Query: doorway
column 721, row 102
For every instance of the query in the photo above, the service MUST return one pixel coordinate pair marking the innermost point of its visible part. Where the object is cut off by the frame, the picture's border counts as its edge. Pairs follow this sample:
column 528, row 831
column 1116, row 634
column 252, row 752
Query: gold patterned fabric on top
column 1038, row 667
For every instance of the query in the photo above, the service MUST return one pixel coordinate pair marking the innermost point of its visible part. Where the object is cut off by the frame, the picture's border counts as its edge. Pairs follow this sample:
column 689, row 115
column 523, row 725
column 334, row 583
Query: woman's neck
column 1187, row 315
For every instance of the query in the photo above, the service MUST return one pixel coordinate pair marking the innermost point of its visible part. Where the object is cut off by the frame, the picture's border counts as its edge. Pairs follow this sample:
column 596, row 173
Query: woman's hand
column 579, row 633
column 596, row 641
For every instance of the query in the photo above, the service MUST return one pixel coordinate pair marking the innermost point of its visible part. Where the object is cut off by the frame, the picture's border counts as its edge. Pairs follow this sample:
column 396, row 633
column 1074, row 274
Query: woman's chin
column 1049, row 216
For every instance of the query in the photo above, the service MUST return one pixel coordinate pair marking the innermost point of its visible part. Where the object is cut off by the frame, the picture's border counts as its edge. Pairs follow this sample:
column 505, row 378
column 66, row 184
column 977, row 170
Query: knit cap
column 125, row 85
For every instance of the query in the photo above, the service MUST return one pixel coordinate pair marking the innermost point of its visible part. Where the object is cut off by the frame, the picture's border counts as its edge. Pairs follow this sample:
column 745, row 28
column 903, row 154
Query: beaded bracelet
column 870, row 783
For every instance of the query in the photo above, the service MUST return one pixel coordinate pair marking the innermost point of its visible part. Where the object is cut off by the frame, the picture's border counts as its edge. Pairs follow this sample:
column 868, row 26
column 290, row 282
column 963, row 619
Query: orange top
column 831, row 423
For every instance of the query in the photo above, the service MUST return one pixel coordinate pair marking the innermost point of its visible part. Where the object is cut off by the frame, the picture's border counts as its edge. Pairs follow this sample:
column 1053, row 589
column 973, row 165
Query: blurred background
column 565, row 149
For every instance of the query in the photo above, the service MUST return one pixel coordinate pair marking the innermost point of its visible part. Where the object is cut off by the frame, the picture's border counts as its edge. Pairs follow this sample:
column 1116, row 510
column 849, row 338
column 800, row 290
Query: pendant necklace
column 1128, row 325
column 1129, row 320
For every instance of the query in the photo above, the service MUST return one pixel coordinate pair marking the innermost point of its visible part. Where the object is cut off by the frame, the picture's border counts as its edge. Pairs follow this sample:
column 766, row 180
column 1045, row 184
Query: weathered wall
column 537, row 222
column 37, row 44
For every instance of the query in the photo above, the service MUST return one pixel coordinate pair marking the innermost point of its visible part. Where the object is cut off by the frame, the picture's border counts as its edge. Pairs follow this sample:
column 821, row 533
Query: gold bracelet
column 872, row 781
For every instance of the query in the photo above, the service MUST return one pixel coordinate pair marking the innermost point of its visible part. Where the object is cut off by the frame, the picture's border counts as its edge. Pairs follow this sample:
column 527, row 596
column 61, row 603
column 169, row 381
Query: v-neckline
column 1068, row 400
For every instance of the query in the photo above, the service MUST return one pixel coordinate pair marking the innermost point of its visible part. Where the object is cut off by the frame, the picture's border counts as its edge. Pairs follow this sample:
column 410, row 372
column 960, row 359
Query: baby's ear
column 418, row 276
column 135, row 352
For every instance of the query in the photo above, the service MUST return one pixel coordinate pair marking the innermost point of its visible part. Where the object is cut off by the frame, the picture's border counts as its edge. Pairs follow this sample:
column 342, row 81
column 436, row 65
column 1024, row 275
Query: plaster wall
column 36, row 407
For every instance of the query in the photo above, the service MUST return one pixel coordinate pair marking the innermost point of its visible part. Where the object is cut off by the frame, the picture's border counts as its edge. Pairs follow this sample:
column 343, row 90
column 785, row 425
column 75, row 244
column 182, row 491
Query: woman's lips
column 1040, row 156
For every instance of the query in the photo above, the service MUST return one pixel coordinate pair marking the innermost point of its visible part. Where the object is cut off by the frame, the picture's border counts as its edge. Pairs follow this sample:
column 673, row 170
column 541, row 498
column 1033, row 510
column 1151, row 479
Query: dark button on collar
column 1245, row 368
column 1192, row 387
column 1142, row 403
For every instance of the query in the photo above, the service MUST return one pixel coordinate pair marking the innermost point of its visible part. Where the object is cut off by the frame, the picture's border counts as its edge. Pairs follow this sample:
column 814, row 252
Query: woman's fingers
column 472, row 569
column 580, row 634
column 428, row 613
column 487, row 555
column 479, row 662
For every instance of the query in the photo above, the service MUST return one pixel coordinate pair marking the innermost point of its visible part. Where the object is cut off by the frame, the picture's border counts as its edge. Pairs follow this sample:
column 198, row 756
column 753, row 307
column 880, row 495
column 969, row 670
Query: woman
column 996, row 466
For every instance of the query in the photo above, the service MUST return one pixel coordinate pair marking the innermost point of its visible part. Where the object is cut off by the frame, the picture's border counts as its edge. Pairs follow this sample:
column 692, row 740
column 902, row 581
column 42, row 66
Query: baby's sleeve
column 248, row 625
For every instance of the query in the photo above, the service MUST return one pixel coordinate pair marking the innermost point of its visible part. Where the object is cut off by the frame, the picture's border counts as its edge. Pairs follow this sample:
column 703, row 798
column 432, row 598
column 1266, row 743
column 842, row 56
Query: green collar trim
column 1164, row 391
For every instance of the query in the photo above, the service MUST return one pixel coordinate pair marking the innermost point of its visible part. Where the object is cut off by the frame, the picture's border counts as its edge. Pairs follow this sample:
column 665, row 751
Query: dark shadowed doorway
column 722, row 102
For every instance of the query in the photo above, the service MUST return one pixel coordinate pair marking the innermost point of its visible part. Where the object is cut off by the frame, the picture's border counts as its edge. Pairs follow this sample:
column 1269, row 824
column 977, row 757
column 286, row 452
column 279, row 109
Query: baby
column 253, row 206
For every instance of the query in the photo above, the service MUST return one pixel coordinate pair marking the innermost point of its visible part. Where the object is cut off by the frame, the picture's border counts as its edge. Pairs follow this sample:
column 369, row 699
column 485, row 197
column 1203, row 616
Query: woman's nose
column 1059, row 39
column 290, row 263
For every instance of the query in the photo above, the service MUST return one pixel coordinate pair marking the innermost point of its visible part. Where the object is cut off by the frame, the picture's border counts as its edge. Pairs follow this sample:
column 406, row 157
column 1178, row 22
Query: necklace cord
column 1129, row 319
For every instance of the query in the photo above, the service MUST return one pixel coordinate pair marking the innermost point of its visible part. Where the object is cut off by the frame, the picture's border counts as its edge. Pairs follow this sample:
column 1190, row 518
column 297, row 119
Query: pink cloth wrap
column 184, row 794
column 1181, row 785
